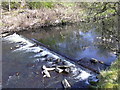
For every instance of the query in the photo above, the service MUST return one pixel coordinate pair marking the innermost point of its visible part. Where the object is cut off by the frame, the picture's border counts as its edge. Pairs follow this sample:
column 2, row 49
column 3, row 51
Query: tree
column 9, row 5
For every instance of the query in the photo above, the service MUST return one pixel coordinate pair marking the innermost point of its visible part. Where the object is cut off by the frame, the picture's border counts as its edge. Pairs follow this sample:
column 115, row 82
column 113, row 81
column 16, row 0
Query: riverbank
column 110, row 78
column 26, row 19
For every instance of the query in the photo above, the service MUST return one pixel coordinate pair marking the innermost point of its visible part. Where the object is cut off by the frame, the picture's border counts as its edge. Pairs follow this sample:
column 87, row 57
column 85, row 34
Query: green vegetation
column 96, row 10
column 100, row 10
column 13, row 5
column 38, row 5
column 29, row 5
column 110, row 78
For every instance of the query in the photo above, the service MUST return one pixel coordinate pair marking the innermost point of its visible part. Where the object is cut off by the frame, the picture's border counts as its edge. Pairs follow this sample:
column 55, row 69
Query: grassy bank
column 41, row 14
column 20, row 16
column 110, row 78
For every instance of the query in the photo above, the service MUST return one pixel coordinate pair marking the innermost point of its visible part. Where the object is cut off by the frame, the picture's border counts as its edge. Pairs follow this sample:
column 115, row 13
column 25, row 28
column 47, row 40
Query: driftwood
column 46, row 73
column 48, row 69
column 66, row 84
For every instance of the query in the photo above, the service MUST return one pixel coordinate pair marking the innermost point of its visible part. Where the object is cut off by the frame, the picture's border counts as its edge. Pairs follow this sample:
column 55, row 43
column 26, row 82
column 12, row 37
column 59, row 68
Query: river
column 21, row 57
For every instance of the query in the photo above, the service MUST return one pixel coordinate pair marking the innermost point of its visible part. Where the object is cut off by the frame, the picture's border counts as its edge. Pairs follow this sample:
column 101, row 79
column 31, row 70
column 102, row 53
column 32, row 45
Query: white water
column 15, row 38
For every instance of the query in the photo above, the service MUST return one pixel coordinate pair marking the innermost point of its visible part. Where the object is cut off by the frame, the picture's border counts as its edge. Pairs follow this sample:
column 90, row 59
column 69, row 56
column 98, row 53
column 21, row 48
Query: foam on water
column 28, row 47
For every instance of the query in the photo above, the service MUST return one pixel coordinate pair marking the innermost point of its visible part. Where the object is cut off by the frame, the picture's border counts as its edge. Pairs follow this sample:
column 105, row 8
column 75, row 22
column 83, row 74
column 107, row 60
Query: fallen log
column 46, row 73
column 48, row 69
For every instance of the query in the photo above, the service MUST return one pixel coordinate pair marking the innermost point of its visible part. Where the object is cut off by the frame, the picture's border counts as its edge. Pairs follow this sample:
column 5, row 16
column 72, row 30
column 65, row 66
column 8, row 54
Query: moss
column 110, row 78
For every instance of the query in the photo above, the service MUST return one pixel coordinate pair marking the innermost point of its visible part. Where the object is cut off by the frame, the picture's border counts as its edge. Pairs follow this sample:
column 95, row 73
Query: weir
column 26, row 62
column 69, row 58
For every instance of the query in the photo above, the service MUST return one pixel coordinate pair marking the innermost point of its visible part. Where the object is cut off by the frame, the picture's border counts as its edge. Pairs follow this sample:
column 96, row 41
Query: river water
column 21, row 57
column 91, row 40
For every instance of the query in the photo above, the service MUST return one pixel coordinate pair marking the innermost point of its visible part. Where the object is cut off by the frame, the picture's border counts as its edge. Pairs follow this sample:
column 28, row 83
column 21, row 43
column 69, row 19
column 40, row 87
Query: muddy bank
column 19, row 20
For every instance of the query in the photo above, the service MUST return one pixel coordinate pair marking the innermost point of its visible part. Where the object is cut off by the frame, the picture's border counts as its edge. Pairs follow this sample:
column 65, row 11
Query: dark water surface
column 91, row 40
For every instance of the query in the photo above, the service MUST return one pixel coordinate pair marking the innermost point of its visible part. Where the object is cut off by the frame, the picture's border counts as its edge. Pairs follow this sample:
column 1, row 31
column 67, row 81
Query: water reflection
column 92, row 40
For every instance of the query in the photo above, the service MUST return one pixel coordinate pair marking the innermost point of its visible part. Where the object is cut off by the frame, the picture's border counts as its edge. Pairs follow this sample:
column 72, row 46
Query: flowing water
column 21, row 57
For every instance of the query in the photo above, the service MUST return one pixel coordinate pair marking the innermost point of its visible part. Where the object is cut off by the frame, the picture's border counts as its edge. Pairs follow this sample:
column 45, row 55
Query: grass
column 110, row 78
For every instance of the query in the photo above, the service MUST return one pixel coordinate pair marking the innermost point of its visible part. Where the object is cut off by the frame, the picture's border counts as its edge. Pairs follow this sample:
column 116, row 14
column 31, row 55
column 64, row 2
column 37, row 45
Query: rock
column 44, row 56
column 64, row 63
column 67, row 70
column 94, row 61
column 11, row 48
column 4, row 35
column 49, row 59
column 41, row 51
column 19, row 42
column 17, row 73
column 33, row 45
column 37, row 73
column 66, row 84
column 63, row 66
column 17, row 46
column 93, row 80
column 58, row 60
column 58, row 70
column 101, row 62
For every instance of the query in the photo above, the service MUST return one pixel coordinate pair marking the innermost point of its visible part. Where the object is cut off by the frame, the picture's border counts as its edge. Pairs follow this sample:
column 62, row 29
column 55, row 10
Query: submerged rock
column 64, row 63
column 49, row 59
column 57, row 61
column 94, row 61
column 101, row 62
column 41, row 51
column 93, row 80
column 17, row 73
column 44, row 56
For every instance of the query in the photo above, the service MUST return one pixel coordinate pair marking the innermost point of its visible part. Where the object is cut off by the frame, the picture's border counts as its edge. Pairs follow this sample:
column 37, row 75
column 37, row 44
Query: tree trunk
column 0, row 9
column 9, row 5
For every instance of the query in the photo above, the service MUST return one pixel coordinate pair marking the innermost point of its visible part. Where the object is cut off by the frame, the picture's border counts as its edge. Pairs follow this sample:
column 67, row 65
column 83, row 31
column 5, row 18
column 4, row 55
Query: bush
column 13, row 5
column 37, row 5
column 110, row 78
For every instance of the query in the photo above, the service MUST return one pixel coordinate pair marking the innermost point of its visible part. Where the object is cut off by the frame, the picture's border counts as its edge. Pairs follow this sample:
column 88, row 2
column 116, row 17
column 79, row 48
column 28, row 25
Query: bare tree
column 0, row 9
column 9, row 5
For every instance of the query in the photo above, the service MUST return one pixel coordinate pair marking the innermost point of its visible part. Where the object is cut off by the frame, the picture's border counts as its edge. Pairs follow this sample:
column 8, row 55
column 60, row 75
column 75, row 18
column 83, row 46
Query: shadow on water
column 91, row 40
